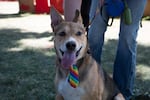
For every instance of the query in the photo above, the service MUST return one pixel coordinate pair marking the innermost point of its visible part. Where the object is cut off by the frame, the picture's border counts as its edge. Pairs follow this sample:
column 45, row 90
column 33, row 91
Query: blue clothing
column 125, row 60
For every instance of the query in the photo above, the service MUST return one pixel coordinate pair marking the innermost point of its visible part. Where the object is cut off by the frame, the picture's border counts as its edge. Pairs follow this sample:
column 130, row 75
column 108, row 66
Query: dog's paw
column 119, row 96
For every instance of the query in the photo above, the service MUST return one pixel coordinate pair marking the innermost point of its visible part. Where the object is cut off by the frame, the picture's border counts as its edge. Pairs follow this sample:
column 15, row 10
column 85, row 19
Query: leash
column 99, row 10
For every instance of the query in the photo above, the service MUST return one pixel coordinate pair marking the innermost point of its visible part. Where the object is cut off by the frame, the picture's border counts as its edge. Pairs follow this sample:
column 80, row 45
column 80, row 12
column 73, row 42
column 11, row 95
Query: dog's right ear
column 55, row 17
column 77, row 17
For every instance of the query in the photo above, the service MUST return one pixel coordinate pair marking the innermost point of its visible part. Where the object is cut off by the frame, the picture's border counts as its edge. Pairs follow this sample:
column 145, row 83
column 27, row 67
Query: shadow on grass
column 3, row 16
column 9, row 37
column 28, row 74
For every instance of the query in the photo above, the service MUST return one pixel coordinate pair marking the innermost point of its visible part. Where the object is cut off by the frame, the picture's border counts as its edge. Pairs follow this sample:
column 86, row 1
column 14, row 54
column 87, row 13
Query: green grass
column 27, row 73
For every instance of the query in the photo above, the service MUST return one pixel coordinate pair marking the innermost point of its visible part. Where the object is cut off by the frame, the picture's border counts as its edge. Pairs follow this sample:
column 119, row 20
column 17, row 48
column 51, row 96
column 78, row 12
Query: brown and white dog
column 70, row 42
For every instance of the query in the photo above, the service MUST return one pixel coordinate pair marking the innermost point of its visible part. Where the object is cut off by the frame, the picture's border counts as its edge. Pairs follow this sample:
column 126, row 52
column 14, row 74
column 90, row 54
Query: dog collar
column 73, row 76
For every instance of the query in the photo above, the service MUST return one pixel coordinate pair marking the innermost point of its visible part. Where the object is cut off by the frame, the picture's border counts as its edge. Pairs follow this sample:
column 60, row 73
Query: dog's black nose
column 71, row 45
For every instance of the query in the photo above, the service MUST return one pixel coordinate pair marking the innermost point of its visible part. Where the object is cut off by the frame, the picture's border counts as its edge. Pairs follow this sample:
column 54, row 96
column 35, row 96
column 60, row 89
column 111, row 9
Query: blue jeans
column 125, row 60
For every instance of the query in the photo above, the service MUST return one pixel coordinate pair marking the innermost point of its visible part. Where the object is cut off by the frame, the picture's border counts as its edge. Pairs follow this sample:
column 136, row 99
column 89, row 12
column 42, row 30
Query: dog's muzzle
column 69, row 56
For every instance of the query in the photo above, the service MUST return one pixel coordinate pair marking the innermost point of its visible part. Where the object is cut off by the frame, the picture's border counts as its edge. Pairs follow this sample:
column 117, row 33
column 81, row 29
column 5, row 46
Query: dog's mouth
column 69, row 57
column 77, row 52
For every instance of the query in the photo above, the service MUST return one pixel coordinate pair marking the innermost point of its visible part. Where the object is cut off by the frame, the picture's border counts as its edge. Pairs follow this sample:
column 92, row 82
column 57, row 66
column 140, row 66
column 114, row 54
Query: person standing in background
column 125, row 60
column 70, row 6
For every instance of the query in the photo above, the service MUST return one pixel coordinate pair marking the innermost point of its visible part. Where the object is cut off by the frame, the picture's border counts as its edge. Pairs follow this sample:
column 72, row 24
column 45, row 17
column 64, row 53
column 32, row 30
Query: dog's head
column 70, row 39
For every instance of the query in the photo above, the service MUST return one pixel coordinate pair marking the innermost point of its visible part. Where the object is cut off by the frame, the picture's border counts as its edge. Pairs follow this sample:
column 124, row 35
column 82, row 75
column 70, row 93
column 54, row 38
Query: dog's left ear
column 77, row 17
column 56, row 17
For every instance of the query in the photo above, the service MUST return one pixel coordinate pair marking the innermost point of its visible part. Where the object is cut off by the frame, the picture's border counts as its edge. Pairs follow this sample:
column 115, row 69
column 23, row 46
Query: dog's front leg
column 59, row 97
column 119, row 96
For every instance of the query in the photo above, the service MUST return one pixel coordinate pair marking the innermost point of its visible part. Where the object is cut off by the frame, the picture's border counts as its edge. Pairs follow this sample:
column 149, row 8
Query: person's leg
column 125, row 62
column 70, row 6
column 96, row 31
column 85, row 9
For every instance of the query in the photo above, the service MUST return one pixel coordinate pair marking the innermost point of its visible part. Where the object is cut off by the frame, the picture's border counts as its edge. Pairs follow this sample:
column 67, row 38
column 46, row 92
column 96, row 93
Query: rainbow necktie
column 73, row 77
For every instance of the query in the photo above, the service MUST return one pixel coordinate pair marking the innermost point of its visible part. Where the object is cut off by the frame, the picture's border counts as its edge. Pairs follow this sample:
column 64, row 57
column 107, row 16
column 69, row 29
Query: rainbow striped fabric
column 73, row 77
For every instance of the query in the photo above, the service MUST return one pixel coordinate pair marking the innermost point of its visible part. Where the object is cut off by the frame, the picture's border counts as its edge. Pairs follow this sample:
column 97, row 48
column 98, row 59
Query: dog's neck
column 63, row 73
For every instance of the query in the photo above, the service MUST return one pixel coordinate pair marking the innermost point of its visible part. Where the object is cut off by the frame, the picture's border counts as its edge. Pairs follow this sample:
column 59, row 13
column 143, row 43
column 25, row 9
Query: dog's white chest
column 68, row 92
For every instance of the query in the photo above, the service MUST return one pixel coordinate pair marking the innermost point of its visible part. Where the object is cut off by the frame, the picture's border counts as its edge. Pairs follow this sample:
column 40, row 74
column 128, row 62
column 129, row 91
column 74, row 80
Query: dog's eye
column 79, row 33
column 62, row 34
